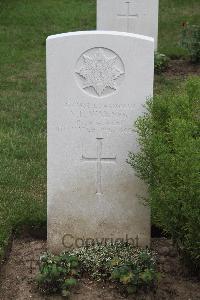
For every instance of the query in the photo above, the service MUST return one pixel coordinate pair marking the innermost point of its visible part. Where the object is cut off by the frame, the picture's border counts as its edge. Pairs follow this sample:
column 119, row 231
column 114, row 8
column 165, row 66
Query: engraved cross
column 99, row 160
column 128, row 15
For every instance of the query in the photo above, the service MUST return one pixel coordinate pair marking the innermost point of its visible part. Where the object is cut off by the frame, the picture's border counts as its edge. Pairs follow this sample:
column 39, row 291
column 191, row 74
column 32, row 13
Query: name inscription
column 94, row 117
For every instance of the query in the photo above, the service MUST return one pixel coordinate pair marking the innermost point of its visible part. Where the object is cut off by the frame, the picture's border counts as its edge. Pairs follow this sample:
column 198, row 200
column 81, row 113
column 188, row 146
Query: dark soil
column 18, row 274
column 182, row 68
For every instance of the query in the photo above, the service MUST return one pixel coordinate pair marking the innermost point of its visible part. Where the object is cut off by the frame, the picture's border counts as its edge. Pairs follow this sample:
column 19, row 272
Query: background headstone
column 97, row 85
column 135, row 16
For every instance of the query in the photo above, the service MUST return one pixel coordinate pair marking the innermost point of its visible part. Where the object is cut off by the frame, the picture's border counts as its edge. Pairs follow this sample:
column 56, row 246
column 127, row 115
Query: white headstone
column 135, row 16
column 97, row 85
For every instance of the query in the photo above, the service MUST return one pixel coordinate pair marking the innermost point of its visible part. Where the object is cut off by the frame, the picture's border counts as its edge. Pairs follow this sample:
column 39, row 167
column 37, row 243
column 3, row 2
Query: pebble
column 172, row 252
column 162, row 260
column 164, row 251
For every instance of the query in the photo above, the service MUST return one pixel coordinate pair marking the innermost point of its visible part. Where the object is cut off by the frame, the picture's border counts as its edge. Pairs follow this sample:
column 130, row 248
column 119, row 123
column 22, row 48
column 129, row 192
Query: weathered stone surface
column 97, row 85
column 135, row 16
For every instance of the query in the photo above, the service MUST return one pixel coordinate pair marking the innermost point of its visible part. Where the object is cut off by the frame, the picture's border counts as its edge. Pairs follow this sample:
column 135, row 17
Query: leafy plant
column 161, row 62
column 191, row 41
column 58, row 273
column 169, row 161
column 99, row 260
column 134, row 275
column 133, row 268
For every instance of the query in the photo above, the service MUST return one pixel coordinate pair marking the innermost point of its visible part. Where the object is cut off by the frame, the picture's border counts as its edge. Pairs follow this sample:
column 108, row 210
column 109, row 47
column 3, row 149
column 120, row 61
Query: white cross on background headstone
column 128, row 15
column 133, row 16
column 99, row 160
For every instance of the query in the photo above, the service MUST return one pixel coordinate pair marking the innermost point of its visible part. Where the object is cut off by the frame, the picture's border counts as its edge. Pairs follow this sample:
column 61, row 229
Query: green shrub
column 169, row 161
column 58, row 273
column 161, row 62
column 191, row 41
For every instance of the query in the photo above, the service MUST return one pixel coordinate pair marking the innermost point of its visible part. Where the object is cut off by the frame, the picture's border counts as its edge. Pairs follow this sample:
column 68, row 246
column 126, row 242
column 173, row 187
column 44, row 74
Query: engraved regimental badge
column 99, row 72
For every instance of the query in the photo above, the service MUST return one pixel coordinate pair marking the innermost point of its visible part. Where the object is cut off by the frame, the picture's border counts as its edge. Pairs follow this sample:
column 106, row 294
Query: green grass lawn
column 172, row 14
column 24, row 26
